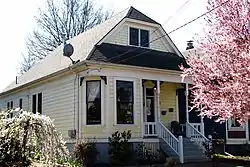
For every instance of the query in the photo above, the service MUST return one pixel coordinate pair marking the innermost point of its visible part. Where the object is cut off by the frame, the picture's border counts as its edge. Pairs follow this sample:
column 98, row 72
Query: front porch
column 167, row 103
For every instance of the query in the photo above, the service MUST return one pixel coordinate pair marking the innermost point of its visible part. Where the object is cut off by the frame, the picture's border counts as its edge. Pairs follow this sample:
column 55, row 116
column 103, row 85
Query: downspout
column 28, row 96
column 76, row 108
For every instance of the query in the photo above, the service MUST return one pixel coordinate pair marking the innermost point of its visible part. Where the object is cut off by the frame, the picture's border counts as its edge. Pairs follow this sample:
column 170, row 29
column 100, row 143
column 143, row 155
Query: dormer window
column 138, row 37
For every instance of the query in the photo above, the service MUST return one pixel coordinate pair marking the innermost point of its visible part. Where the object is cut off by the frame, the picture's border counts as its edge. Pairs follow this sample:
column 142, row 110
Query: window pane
column 134, row 36
column 39, row 109
column 11, row 104
column 20, row 103
column 124, row 90
column 144, row 38
column 125, row 101
column 94, row 112
column 8, row 105
column 125, row 113
column 34, row 104
column 235, row 123
column 93, row 102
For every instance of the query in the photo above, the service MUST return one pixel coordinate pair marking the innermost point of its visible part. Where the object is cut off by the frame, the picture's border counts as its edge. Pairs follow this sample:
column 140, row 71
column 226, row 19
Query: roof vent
column 190, row 45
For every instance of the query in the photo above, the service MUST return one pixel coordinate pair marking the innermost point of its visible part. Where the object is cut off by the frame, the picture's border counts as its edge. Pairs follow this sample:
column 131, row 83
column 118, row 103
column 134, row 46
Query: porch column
column 143, row 106
column 188, row 130
column 202, row 127
column 247, row 130
column 158, row 100
column 186, row 94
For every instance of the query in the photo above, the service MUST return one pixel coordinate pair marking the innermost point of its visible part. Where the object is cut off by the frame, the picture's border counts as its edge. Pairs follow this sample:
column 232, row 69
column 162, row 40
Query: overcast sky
column 17, row 21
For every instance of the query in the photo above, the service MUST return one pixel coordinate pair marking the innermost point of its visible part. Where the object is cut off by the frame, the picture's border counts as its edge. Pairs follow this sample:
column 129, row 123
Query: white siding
column 15, row 98
column 121, row 36
column 58, row 102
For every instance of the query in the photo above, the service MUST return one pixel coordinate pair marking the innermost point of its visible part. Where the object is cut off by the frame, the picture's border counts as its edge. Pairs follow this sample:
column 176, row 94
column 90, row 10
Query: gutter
column 55, row 74
column 87, row 63
column 145, row 69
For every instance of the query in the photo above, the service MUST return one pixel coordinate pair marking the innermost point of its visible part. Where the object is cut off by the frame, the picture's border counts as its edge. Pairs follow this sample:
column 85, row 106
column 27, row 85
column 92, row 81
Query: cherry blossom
column 221, row 73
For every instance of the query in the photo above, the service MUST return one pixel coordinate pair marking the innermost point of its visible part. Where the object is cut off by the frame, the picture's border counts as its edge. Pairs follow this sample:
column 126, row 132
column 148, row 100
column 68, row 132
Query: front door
column 149, row 112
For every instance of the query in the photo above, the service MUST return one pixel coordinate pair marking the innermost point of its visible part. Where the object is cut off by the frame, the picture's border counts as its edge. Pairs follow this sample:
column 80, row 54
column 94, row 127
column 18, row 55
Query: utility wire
column 176, row 12
column 130, row 50
column 198, row 17
column 171, row 16
column 171, row 32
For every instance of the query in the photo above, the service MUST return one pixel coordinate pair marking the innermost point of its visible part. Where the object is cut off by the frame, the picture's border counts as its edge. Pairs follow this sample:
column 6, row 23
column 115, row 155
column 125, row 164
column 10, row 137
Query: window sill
column 95, row 125
column 122, row 125
column 143, row 47
column 236, row 129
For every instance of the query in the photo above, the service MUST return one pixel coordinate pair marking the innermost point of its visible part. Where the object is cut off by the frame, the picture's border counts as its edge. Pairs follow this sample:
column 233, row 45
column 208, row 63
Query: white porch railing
column 197, row 126
column 150, row 129
column 175, row 144
column 195, row 135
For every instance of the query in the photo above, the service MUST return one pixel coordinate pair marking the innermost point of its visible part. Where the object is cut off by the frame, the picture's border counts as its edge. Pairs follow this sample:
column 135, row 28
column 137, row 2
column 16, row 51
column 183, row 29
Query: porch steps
column 192, row 152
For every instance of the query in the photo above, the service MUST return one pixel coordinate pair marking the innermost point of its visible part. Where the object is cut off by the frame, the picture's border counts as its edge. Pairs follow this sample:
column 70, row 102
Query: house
column 128, row 78
column 235, row 135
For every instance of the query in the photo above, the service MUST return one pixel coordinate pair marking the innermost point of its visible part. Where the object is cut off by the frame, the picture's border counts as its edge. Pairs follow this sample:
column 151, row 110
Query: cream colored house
column 128, row 78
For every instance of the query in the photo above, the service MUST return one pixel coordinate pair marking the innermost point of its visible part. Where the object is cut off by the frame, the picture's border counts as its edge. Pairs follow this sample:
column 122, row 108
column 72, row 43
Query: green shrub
column 120, row 149
column 147, row 156
column 85, row 152
column 69, row 162
column 213, row 147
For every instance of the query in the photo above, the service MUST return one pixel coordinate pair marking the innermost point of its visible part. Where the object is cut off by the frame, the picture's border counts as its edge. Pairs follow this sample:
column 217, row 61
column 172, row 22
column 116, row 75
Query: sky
column 17, row 21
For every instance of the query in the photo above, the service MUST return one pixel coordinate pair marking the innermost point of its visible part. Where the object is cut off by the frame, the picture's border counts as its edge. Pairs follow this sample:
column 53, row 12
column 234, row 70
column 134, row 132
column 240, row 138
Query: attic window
column 138, row 37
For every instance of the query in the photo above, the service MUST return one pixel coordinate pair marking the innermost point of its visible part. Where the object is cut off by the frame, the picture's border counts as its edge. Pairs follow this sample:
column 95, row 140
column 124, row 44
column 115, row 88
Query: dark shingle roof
column 137, row 15
column 137, row 57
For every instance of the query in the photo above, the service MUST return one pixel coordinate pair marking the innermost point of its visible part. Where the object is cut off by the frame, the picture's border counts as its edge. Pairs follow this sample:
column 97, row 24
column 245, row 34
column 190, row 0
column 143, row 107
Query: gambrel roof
column 83, row 44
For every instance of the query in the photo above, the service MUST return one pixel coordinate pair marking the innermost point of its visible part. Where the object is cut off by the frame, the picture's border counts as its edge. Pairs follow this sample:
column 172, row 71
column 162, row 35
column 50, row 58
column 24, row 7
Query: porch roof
column 136, row 56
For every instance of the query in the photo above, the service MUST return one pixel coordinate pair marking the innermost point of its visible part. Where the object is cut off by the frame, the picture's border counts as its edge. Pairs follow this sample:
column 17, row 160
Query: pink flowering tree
column 221, row 73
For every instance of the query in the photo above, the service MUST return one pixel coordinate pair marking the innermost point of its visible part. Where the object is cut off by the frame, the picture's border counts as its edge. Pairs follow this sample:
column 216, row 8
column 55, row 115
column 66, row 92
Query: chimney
column 16, row 79
column 190, row 45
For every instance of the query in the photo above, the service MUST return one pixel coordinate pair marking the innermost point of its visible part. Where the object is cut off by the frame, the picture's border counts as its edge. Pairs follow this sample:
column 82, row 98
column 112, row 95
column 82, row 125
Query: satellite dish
column 68, row 50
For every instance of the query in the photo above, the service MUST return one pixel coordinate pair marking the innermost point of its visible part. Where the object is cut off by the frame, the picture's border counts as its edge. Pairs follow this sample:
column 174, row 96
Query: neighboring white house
column 128, row 78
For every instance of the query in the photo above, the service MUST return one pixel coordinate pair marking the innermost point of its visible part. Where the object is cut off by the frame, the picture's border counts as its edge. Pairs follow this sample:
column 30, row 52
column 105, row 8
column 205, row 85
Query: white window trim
column 36, row 102
column 84, row 105
column 134, row 80
column 230, row 128
column 139, row 36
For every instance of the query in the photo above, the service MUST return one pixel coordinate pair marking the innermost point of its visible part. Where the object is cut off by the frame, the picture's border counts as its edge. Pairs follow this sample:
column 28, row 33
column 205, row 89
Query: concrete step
column 192, row 152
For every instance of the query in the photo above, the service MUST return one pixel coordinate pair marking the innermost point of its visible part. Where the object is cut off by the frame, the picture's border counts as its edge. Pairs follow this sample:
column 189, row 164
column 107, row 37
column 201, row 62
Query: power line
column 176, row 12
column 154, row 31
column 172, row 32
column 198, row 17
